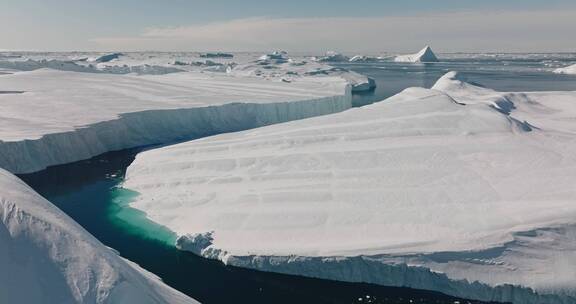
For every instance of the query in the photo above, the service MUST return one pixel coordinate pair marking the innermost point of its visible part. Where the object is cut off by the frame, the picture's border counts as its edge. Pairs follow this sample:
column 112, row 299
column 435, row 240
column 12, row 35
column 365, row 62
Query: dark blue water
column 86, row 191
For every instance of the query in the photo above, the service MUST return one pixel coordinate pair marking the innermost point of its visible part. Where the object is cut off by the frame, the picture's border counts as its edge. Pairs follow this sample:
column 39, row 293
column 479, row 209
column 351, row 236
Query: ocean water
column 501, row 72
column 89, row 192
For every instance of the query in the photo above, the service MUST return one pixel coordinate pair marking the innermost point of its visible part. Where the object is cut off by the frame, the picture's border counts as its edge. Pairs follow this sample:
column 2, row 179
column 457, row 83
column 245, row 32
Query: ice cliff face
column 55, row 117
column 425, row 55
column 459, row 189
column 45, row 257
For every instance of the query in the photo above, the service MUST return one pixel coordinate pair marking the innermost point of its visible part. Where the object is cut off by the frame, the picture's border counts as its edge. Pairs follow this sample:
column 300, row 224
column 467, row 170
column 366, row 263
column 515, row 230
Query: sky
column 295, row 25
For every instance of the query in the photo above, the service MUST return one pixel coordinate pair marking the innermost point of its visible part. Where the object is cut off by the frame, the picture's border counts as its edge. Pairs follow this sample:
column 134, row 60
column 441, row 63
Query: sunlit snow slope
column 425, row 189
column 45, row 257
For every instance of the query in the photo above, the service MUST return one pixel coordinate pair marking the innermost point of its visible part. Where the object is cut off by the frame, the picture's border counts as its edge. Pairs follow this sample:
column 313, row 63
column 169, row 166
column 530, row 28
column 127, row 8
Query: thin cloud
column 456, row 31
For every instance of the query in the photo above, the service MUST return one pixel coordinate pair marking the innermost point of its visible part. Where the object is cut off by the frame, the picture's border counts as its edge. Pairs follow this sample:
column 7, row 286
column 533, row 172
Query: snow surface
column 567, row 70
column 45, row 257
column 431, row 189
column 278, row 65
column 424, row 55
column 56, row 117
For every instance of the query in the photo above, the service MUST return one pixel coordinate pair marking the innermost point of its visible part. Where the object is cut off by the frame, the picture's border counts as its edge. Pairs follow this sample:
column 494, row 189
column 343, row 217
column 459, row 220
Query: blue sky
column 126, row 24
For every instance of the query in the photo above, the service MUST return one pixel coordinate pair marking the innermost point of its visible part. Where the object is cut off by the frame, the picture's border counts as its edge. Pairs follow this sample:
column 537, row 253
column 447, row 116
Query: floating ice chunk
column 216, row 55
column 425, row 55
column 567, row 70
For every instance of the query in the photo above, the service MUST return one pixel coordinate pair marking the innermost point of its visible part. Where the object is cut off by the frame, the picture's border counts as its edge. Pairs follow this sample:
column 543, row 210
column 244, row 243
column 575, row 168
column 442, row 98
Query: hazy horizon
column 179, row 25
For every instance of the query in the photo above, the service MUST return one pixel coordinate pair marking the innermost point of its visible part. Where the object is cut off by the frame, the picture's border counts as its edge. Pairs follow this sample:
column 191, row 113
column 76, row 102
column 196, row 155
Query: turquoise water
column 134, row 221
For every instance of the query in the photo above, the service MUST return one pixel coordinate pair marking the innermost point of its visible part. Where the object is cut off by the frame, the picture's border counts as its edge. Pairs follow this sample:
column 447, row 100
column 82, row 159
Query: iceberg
column 46, row 257
column 333, row 57
column 216, row 55
column 567, row 70
column 459, row 189
column 105, row 58
column 59, row 117
column 274, row 57
column 361, row 58
column 425, row 55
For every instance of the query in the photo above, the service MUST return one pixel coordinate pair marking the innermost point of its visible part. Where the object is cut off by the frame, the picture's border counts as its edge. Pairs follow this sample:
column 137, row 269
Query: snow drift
column 46, row 257
column 425, row 55
column 458, row 189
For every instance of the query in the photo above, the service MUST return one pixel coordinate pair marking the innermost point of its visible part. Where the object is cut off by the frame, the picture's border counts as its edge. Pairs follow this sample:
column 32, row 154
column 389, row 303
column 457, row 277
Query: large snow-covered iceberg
column 45, row 257
column 425, row 55
column 459, row 189
column 278, row 65
column 567, row 70
column 55, row 117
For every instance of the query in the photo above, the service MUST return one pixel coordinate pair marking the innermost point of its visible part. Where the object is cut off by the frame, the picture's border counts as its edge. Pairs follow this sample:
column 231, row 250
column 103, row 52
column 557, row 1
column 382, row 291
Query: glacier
column 424, row 55
column 55, row 117
column 459, row 189
column 46, row 257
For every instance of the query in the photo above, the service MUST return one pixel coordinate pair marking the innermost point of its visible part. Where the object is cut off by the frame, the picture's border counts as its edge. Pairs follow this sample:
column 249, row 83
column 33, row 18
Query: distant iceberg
column 361, row 58
column 105, row 58
column 567, row 70
column 276, row 57
column 333, row 57
column 216, row 55
column 425, row 55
